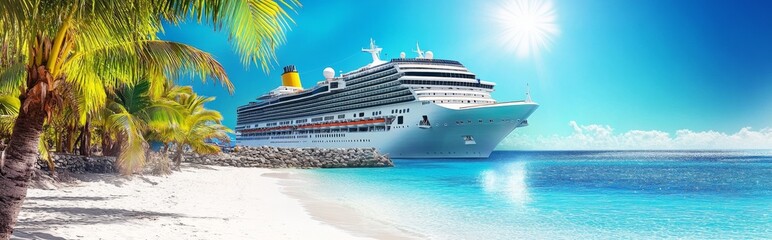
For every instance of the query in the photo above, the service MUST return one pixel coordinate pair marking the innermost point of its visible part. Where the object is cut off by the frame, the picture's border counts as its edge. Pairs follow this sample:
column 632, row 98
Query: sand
column 201, row 202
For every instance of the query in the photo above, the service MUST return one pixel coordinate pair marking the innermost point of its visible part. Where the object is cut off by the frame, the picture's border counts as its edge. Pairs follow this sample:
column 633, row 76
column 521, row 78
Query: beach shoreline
column 200, row 202
column 301, row 185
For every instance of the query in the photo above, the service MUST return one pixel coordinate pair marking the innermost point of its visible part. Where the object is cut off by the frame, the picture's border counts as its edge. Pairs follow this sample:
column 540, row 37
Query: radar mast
column 375, row 51
column 418, row 50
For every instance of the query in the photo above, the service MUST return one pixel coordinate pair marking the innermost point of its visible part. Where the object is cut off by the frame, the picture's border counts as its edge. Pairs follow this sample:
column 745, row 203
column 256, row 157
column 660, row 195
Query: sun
column 526, row 26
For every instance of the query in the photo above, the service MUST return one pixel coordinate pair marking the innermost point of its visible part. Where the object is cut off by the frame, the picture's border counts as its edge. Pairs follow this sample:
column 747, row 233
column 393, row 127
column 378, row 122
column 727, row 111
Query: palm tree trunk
column 59, row 140
column 178, row 157
column 106, row 142
column 15, row 173
column 115, row 149
column 71, row 138
column 165, row 151
column 78, row 141
column 85, row 141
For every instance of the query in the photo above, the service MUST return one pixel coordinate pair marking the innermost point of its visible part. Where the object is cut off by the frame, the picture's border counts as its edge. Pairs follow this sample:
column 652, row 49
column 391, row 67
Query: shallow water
column 597, row 195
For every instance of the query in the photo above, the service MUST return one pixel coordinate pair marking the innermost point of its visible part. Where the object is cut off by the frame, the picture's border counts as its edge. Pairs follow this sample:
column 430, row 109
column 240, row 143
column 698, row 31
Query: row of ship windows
column 427, row 61
column 440, row 74
column 462, row 101
column 286, row 137
column 314, row 141
column 451, row 88
column 278, row 123
column 399, row 111
column 480, row 121
column 331, row 135
column 341, row 116
column 332, row 131
column 351, row 140
column 433, row 68
column 447, row 83
column 451, row 94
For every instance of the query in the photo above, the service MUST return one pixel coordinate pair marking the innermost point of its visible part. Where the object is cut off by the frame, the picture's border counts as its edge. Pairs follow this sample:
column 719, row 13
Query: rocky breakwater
column 273, row 157
column 81, row 164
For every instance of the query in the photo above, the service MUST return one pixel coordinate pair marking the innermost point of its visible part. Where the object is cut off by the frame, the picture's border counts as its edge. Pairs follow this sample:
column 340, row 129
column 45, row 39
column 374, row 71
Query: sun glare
column 526, row 26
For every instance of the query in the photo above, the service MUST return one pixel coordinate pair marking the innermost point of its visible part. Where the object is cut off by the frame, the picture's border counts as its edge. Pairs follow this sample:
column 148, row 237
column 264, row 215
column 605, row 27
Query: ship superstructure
column 406, row 107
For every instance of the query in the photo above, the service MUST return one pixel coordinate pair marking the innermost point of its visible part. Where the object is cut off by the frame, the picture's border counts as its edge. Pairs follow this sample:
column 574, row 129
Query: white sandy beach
column 201, row 202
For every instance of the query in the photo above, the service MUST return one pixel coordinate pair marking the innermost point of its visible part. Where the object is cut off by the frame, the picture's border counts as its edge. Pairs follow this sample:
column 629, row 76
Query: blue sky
column 654, row 65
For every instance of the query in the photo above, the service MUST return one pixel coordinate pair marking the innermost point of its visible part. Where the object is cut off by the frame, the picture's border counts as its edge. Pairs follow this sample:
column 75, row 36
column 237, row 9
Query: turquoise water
column 569, row 195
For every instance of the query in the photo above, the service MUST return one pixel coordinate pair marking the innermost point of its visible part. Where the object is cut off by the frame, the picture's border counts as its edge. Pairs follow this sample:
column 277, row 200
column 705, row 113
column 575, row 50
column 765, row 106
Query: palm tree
column 198, row 128
column 133, row 115
column 96, row 46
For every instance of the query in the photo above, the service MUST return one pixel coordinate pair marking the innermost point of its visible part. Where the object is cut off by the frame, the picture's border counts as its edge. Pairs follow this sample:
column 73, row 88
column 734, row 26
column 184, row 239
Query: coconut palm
column 198, row 128
column 96, row 46
column 134, row 114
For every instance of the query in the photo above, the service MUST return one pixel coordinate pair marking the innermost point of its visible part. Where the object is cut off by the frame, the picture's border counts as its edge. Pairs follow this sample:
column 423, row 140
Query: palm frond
column 45, row 154
column 256, row 26
column 6, row 125
column 132, row 155
column 12, row 78
column 15, row 14
column 108, row 67
column 163, row 113
column 9, row 105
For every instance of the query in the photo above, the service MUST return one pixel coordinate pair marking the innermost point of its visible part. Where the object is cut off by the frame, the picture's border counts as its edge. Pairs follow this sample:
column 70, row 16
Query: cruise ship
column 418, row 107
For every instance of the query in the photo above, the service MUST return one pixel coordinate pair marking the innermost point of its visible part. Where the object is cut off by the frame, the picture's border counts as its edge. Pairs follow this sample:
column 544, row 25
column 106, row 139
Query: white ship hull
column 469, row 132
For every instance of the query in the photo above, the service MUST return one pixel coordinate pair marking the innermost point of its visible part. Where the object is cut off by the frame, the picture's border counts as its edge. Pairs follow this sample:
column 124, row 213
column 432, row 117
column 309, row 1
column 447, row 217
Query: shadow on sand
column 31, row 228
column 71, row 198
column 30, row 234
column 77, row 215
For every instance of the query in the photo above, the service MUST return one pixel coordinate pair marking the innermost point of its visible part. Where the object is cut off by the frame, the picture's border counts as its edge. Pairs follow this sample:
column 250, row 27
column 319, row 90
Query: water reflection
column 508, row 181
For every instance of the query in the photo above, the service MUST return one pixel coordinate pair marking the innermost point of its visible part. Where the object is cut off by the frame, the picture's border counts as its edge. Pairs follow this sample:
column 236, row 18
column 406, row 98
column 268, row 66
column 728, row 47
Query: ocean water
column 566, row 195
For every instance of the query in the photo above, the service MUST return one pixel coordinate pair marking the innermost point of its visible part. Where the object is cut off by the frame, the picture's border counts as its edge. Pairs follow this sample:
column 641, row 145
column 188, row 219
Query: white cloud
column 603, row 137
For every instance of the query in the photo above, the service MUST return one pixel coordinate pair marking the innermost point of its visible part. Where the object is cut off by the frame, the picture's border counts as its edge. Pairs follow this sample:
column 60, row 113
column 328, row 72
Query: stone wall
column 273, row 157
column 81, row 164
column 262, row 157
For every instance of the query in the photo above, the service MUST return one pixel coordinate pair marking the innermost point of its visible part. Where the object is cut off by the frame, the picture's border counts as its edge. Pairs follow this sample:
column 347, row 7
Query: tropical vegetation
column 81, row 75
